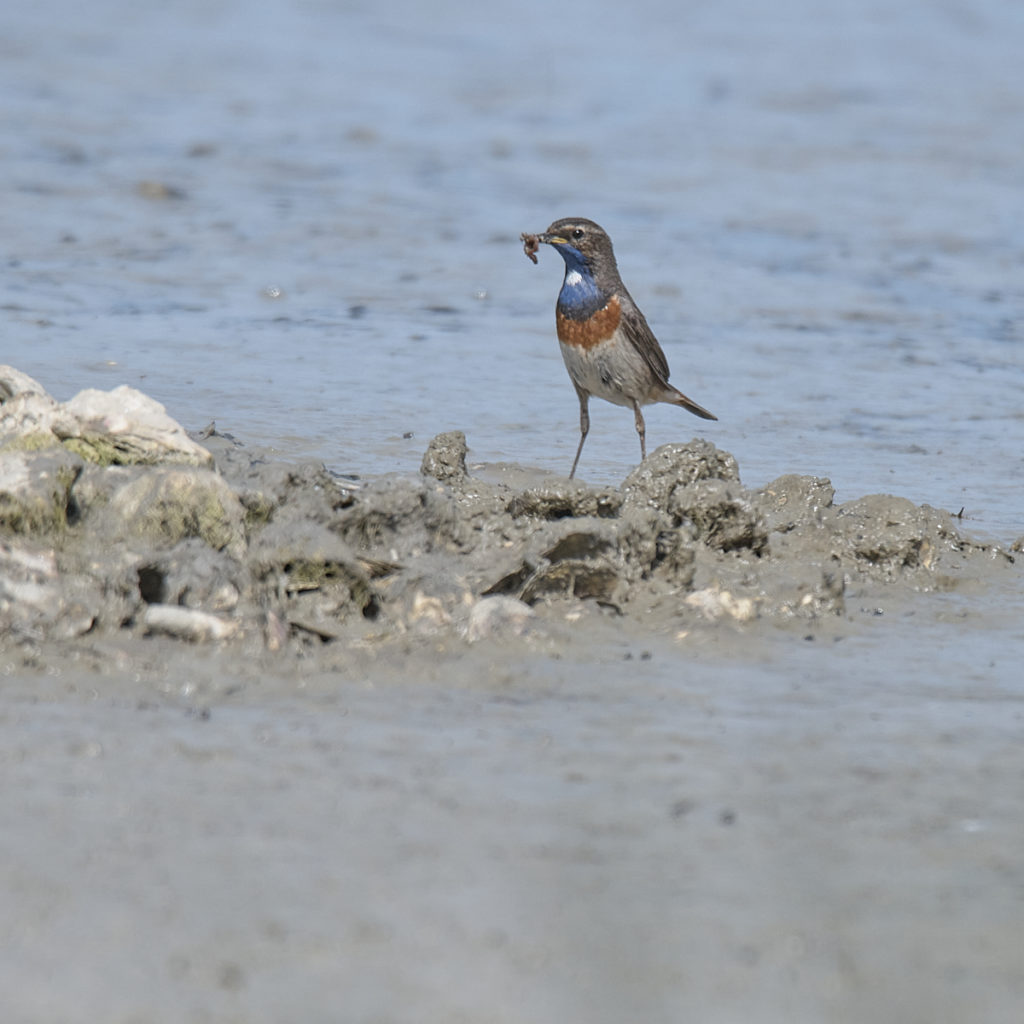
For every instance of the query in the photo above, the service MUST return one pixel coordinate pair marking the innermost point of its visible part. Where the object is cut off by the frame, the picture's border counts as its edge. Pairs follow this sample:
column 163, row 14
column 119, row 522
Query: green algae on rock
column 35, row 490
column 122, row 427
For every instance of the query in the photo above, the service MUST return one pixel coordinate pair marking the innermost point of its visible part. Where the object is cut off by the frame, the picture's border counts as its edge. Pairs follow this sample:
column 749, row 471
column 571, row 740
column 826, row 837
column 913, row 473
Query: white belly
column 610, row 371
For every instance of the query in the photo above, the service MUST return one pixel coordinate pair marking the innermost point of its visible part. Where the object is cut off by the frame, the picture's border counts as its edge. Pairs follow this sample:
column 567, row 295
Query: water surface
column 301, row 221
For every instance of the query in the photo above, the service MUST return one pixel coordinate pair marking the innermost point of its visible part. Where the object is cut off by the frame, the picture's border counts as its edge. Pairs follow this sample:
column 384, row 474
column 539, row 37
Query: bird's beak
column 550, row 239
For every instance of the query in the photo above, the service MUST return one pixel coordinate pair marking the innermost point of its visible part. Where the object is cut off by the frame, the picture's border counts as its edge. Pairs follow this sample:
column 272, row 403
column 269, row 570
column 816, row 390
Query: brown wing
column 642, row 338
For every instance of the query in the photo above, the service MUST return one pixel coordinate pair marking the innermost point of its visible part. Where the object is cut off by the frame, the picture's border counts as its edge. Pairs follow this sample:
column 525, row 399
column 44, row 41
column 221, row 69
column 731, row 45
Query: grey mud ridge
column 121, row 536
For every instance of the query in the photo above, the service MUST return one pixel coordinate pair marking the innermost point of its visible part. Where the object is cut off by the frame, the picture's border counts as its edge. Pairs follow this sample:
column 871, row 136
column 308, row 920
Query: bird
column 607, row 345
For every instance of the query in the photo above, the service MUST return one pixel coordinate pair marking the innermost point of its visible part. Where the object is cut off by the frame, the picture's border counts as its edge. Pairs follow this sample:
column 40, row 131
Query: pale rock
column 14, row 382
column 718, row 604
column 125, row 427
column 187, row 623
column 497, row 616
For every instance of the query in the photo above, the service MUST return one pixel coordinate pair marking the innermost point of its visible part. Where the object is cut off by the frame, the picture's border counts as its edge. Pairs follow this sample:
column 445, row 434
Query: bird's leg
column 584, row 428
column 641, row 429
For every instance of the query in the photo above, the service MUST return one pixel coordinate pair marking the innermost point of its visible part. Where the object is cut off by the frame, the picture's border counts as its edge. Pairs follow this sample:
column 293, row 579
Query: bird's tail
column 676, row 397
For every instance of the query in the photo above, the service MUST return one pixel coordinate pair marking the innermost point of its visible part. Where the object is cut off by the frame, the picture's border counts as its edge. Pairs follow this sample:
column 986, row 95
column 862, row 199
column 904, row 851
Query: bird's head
column 584, row 245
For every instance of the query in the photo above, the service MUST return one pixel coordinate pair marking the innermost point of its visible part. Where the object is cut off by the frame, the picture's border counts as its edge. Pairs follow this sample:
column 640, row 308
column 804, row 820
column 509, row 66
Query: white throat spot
column 573, row 278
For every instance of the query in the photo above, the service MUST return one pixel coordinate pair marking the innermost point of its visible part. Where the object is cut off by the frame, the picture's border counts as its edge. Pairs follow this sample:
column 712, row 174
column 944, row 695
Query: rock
column 187, row 623
column 716, row 604
column 166, row 505
column 35, row 490
column 27, row 420
column 29, row 586
column 28, row 562
column 35, row 598
column 125, row 427
column 14, row 382
column 119, row 427
column 95, row 486
column 497, row 617
column 46, row 609
column 445, row 458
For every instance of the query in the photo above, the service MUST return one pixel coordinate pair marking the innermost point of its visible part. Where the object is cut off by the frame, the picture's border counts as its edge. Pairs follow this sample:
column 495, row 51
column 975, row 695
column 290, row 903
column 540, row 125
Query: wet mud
column 330, row 741
column 115, row 523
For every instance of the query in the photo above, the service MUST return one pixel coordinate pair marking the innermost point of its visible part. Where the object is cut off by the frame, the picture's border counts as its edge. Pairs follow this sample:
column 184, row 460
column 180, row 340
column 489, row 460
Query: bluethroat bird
column 607, row 346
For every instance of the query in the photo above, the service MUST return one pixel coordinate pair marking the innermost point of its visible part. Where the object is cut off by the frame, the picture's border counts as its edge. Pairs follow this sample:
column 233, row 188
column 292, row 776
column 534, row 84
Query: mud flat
column 117, row 524
column 487, row 744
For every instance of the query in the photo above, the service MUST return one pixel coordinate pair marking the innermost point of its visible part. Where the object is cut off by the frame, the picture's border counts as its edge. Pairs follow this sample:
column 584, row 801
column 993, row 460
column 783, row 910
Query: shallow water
column 816, row 207
column 300, row 220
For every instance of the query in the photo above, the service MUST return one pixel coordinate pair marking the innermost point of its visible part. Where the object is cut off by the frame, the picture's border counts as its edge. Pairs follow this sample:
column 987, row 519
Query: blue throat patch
column 580, row 298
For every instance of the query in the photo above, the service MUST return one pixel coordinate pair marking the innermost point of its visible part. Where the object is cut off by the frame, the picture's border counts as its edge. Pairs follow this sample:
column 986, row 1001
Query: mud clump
column 445, row 458
column 311, row 577
column 207, row 543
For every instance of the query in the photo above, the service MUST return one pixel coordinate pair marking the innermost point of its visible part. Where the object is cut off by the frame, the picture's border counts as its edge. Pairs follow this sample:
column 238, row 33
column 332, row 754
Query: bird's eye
column 577, row 233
